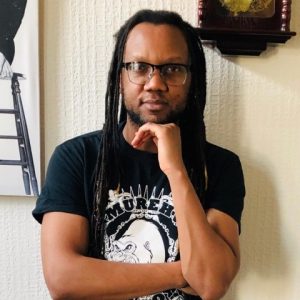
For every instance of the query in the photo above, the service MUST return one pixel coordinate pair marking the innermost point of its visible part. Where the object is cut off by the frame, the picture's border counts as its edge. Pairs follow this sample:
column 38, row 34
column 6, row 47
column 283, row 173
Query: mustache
column 155, row 100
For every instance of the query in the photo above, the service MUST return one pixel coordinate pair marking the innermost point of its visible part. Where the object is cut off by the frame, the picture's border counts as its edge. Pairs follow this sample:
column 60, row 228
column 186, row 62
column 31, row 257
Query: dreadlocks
column 191, row 123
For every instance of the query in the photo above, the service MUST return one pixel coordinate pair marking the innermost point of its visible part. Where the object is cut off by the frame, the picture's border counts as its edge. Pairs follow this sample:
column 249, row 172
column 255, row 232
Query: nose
column 156, row 82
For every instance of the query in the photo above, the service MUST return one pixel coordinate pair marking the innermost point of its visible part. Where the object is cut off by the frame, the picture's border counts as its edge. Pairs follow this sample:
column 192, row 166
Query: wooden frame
column 238, row 30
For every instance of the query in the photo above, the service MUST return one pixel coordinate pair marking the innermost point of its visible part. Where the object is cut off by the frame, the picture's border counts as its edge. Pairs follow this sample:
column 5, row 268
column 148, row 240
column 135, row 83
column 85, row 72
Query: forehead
column 156, row 44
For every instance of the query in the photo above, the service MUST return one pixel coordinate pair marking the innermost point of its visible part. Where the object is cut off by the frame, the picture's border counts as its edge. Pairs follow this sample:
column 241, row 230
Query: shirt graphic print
column 141, row 228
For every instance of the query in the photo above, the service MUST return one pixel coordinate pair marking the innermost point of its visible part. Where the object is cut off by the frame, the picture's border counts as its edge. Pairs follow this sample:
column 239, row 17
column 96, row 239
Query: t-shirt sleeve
column 226, row 189
column 63, row 190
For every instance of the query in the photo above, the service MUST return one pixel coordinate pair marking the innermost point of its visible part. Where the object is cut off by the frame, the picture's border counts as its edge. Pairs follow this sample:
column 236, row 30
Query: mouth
column 154, row 104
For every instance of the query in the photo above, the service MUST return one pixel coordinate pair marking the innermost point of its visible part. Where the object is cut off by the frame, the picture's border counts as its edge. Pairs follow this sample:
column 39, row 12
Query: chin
column 141, row 119
column 157, row 120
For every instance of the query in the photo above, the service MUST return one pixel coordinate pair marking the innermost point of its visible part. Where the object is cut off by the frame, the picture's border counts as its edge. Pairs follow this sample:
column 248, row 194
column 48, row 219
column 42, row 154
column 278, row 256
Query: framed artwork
column 19, row 98
column 245, row 26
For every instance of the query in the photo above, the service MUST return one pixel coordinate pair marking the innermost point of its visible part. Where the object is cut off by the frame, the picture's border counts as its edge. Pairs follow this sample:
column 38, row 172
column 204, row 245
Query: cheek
column 130, row 91
column 181, row 98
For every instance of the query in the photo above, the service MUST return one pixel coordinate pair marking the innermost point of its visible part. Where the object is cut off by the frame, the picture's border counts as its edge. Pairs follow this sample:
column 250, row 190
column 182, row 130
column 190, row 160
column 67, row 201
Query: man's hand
column 167, row 139
column 5, row 68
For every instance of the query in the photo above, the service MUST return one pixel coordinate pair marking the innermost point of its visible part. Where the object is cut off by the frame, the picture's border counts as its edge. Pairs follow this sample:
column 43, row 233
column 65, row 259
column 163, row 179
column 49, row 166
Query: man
column 158, row 217
column 11, row 15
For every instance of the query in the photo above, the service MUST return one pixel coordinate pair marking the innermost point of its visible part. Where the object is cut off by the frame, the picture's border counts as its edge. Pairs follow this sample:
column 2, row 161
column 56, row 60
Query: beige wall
column 253, row 108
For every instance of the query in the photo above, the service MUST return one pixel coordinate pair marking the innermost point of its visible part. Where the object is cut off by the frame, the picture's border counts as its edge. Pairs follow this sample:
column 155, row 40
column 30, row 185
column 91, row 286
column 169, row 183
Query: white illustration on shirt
column 134, row 246
column 142, row 229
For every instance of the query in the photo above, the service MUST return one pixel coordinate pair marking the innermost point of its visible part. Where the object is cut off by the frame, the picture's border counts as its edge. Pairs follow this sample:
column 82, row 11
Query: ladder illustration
column 26, row 160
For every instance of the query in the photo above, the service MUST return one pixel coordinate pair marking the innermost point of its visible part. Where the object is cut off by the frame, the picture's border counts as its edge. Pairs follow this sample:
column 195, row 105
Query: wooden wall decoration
column 244, row 27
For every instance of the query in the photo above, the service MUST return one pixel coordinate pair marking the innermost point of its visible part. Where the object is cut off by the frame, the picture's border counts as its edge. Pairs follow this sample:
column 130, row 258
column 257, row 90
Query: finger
column 141, row 138
column 153, row 127
column 149, row 128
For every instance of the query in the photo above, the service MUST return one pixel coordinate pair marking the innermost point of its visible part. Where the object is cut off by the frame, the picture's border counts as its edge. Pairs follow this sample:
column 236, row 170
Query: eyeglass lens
column 172, row 74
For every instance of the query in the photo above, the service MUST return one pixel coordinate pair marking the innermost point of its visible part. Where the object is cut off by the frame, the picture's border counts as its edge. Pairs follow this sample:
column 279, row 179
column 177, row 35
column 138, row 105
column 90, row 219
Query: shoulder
column 89, row 138
column 219, row 159
column 76, row 153
column 221, row 162
column 213, row 152
column 82, row 143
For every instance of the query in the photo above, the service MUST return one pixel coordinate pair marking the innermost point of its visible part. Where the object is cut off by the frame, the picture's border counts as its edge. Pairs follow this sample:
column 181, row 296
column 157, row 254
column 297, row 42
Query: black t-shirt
column 140, row 219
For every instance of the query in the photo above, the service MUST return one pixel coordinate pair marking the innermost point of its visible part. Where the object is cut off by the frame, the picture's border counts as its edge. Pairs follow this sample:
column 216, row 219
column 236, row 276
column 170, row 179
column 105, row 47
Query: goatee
column 172, row 117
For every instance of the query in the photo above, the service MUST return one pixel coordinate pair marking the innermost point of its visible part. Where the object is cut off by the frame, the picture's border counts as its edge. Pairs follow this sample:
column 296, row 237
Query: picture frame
column 20, row 147
column 244, row 27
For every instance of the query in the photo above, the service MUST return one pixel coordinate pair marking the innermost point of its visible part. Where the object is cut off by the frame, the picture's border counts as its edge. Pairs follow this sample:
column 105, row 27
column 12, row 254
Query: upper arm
column 227, row 228
column 63, row 235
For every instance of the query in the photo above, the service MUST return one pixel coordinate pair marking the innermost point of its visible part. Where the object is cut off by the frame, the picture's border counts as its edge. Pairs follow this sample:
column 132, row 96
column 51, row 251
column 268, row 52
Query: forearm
column 208, row 262
column 80, row 277
column 70, row 274
column 208, row 241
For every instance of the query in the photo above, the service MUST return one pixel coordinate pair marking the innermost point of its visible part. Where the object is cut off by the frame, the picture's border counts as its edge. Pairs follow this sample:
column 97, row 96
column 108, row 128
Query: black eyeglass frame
column 187, row 68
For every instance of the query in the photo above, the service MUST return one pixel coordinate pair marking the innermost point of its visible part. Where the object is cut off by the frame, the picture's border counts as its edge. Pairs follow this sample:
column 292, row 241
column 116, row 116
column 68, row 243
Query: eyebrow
column 175, row 59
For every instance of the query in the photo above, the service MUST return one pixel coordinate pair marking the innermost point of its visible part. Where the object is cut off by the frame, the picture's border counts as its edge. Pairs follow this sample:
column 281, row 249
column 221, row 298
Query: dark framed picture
column 246, row 26
column 19, row 98
column 245, row 8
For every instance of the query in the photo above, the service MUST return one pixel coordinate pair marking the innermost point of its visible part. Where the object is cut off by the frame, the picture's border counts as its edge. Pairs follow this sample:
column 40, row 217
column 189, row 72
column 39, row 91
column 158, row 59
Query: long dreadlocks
column 191, row 123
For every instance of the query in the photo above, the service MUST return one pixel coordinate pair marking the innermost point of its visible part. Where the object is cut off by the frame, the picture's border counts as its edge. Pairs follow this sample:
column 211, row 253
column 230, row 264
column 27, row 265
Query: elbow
column 214, row 293
column 58, row 289
column 208, row 286
column 211, row 291
column 59, row 282
column 211, row 282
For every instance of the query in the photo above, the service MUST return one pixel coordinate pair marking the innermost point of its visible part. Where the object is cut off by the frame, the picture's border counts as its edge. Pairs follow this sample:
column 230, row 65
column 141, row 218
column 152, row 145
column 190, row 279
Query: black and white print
column 19, row 98
column 141, row 228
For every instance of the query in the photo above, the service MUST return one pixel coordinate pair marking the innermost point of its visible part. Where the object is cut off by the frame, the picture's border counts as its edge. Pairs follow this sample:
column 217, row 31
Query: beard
column 172, row 117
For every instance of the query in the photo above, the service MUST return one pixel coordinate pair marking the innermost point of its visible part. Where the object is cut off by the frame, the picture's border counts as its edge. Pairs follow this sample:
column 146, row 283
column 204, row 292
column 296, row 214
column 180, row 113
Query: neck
column 129, row 131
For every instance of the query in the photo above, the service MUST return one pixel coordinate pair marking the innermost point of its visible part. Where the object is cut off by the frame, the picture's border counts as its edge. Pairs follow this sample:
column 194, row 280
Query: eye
column 172, row 69
column 130, row 247
column 138, row 67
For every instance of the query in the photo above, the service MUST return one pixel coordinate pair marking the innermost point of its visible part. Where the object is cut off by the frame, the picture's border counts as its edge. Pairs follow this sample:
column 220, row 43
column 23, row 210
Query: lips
column 154, row 104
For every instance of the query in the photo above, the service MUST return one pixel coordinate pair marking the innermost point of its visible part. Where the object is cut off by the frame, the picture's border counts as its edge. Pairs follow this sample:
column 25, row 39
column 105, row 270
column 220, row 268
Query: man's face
column 155, row 101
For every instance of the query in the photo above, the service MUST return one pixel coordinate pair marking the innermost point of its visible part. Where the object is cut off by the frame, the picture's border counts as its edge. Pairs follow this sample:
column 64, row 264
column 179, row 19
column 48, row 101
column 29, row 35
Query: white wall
column 253, row 109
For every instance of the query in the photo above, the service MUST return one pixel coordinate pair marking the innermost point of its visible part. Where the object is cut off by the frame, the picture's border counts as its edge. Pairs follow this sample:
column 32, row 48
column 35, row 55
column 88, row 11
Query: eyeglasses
column 172, row 74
